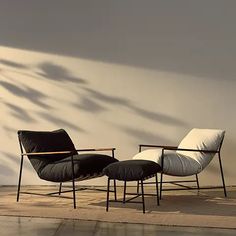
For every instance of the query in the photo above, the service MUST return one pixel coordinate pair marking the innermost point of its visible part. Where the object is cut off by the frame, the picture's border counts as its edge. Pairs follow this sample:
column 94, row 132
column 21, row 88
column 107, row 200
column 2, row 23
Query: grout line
column 58, row 228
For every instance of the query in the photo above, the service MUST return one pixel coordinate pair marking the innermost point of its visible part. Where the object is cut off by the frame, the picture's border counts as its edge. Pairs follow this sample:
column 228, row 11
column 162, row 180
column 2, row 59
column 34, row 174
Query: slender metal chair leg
column 143, row 196
column 108, row 191
column 138, row 187
column 115, row 190
column 60, row 186
column 197, row 182
column 74, row 200
column 222, row 175
column 161, row 186
column 73, row 181
column 158, row 202
column 124, row 192
column 19, row 182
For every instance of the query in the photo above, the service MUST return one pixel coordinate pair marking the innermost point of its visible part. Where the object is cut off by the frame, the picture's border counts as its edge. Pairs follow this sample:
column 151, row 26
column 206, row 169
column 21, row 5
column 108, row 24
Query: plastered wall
column 117, row 73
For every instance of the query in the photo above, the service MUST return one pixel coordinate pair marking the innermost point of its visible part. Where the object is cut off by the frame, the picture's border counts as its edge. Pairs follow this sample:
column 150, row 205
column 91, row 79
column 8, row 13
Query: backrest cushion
column 45, row 141
column 203, row 139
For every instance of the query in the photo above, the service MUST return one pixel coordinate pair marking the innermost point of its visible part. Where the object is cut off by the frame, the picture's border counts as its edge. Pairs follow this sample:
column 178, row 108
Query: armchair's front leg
column 222, row 174
column 162, row 166
column 73, row 180
column 19, row 182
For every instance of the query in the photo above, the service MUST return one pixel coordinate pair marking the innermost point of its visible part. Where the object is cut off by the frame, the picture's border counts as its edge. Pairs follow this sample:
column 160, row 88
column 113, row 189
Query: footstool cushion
column 132, row 170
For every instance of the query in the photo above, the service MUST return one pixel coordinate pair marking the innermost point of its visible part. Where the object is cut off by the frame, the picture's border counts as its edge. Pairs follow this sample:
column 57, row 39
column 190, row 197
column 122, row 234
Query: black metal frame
column 135, row 195
column 175, row 148
column 72, row 153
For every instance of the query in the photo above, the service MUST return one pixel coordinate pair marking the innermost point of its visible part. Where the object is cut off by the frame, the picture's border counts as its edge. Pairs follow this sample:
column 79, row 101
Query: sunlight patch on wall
column 41, row 91
column 99, row 104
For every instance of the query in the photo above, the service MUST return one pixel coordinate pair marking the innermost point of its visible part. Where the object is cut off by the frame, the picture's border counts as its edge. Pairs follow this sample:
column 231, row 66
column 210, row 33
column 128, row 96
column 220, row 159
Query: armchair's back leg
column 138, row 187
column 142, row 196
column 197, row 182
column 115, row 196
column 124, row 193
column 222, row 174
column 161, row 185
column 60, row 186
column 158, row 203
column 108, row 191
column 19, row 182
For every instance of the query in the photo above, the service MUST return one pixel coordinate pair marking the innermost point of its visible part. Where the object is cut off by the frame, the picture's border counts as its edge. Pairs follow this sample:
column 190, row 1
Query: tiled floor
column 14, row 226
column 180, row 213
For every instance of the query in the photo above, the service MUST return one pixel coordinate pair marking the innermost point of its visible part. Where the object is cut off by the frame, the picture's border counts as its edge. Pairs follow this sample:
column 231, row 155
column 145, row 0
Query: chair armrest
column 95, row 149
column 157, row 146
column 190, row 150
column 47, row 153
column 66, row 152
column 177, row 149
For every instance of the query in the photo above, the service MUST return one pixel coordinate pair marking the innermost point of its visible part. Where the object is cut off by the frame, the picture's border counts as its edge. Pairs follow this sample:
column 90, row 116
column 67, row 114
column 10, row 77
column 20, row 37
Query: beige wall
column 117, row 73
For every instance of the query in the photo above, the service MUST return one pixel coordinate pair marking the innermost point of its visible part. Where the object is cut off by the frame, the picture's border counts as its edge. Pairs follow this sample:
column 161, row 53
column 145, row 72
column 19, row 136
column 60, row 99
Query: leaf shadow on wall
column 7, row 169
column 143, row 136
column 28, row 93
column 19, row 113
column 13, row 64
column 98, row 96
column 56, row 72
column 36, row 96
column 92, row 101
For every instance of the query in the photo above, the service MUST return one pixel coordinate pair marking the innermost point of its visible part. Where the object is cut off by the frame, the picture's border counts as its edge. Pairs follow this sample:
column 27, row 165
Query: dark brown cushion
column 58, row 168
column 85, row 166
column 45, row 141
column 131, row 170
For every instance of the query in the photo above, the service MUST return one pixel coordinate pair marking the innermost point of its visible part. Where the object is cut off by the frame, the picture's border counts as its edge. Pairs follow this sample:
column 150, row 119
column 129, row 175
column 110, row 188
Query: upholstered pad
column 202, row 139
column 58, row 168
column 85, row 166
column 185, row 163
column 174, row 164
column 131, row 170
column 45, row 141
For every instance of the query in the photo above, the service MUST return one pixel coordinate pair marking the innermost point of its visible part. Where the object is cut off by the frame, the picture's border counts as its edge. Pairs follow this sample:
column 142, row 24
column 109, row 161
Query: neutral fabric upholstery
column 131, row 170
column 202, row 139
column 185, row 163
column 174, row 164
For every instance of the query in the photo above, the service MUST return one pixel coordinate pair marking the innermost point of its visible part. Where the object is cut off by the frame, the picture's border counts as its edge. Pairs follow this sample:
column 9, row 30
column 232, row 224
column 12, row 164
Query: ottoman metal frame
column 135, row 195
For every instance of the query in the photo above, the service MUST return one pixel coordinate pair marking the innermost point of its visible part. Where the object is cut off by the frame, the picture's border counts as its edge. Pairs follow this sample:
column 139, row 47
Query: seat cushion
column 85, row 166
column 175, row 164
column 131, row 170
column 45, row 141
column 202, row 139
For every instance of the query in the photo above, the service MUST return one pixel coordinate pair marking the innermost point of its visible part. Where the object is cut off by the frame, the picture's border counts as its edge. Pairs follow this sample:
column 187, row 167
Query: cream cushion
column 174, row 164
column 185, row 163
column 202, row 139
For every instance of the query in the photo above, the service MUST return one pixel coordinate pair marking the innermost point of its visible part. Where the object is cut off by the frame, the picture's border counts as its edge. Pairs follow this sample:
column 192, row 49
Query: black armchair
column 55, row 158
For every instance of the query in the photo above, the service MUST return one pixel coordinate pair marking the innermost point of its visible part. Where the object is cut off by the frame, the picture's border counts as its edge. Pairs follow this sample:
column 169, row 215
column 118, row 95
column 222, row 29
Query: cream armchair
column 191, row 157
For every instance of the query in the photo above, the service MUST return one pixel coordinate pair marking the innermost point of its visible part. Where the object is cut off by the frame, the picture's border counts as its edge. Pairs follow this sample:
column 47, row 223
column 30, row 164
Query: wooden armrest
column 95, row 149
column 177, row 149
column 189, row 150
column 157, row 146
column 66, row 152
column 47, row 153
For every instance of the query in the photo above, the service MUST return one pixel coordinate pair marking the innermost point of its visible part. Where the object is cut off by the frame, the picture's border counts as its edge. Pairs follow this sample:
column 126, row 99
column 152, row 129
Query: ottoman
column 132, row 170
